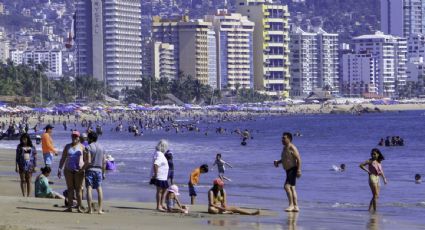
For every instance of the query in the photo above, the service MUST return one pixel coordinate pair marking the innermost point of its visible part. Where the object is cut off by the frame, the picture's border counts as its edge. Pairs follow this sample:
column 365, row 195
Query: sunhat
column 174, row 189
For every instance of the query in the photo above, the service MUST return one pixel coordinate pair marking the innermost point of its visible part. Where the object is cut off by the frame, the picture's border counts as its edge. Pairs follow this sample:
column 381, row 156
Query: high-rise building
column 314, row 61
column 4, row 46
column 379, row 61
column 17, row 56
column 271, row 45
column 193, row 45
column 89, row 38
column 123, row 43
column 212, row 59
column 52, row 59
column 359, row 74
column 108, row 35
column 234, row 36
column 403, row 17
column 1, row 8
column 167, row 31
column 190, row 39
column 147, row 55
column 416, row 46
column 163, row 61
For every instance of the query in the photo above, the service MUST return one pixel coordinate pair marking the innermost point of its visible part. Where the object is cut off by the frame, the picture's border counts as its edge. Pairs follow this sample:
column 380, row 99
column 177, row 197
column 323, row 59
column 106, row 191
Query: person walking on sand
column 160, row 174
column 26, row 162
column 375, row 171
column 94, row 165
column 72, row 159
column 47, row 146
column 291, row 162
column 217, row 201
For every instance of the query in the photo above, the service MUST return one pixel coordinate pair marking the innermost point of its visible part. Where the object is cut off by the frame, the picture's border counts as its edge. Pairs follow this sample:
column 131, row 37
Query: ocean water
column 341, row 198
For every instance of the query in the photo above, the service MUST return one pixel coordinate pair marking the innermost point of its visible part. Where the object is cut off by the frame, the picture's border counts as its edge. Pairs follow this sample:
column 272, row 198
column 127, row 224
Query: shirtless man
column 291, row 163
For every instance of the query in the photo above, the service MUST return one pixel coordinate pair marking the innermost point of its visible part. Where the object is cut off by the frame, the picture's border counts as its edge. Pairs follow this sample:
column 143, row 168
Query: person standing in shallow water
column 291, row 162
column 375, row 171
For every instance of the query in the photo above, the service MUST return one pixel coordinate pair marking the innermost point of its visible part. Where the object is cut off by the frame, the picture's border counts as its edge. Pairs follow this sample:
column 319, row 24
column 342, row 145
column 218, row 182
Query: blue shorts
column 192, row 191
column 48, row 158
column 93, row 179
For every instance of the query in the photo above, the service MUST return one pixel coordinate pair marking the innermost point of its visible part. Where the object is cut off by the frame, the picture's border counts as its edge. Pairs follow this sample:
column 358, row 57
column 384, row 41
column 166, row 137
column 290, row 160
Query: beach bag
column 75, row 160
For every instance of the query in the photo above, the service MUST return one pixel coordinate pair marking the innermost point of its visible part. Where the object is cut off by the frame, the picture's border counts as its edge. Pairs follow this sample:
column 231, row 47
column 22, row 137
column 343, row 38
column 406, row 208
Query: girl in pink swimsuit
column 374, row 170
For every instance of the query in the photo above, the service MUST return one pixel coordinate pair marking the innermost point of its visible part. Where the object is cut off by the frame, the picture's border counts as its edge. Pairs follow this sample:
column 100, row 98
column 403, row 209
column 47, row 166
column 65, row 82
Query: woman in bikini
column 217, row 203
column 26, row 161
column 375, row 171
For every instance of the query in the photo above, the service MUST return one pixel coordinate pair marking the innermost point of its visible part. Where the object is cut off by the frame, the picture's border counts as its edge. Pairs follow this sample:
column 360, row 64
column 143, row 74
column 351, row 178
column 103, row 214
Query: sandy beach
column 18, row 213
column 337, row 213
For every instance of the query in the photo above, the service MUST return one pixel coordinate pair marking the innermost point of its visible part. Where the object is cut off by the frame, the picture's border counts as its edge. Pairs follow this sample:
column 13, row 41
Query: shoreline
column 119, row 214
column 124, row 214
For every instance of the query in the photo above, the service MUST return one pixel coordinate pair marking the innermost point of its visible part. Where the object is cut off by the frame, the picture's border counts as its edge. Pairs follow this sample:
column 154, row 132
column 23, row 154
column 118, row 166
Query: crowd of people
column 391, row 141
column 83, row 162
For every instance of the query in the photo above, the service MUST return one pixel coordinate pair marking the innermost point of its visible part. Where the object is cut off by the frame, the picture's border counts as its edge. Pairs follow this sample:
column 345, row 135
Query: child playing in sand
column 194, row 180
column 374, row 170
column 220, row 166
column 171, row 199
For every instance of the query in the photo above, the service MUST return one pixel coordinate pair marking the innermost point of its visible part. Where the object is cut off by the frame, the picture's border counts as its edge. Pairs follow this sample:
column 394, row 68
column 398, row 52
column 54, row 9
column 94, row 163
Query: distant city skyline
column 248, row 45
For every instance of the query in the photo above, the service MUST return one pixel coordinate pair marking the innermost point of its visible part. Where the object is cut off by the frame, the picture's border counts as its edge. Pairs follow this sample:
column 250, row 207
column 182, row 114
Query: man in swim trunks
column 291, row 162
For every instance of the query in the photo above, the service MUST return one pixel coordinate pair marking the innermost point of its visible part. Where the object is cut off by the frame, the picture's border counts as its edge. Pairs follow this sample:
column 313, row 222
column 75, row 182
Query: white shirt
column 162, row 163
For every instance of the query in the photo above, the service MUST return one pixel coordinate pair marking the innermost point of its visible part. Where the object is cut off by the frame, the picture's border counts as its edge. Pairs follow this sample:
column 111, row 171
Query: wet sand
column 18, row 212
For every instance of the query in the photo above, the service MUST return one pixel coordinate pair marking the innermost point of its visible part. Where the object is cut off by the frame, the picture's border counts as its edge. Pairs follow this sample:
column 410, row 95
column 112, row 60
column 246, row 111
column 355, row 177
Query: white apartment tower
column 359, row 75
column 314, row 61
column 167, row 31
column 271, row 45
column 4, row 50
column 123, row 43
column 193, row 45
column 403, row 17
column 193, row 50
column 108, row 41
column 4, row 46
column 384, row 58
column 234, row 34
column 51, row 58
column 163, row 61
column 212, row 59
